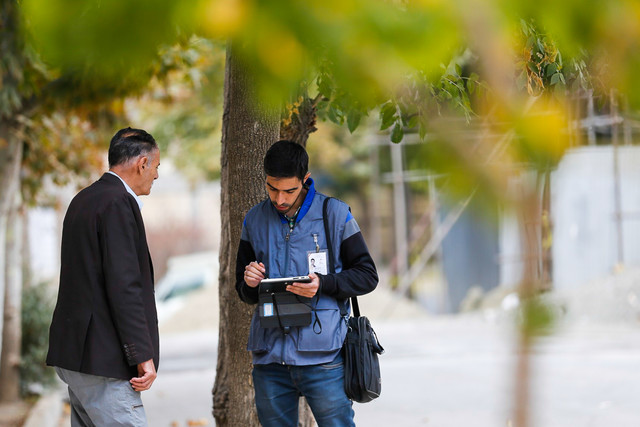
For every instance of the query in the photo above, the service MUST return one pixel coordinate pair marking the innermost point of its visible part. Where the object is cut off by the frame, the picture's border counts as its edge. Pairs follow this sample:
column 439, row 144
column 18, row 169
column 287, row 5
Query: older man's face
column 149, row 173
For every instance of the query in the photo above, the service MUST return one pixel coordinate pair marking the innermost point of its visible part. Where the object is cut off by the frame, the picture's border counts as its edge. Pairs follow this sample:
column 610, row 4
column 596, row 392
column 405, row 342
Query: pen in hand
column 254, row 273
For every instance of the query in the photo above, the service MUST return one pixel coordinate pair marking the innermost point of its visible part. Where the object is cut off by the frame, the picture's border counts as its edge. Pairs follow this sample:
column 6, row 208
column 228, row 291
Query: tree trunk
column 529, row 213
column 12, row 331
column 26, row 248
column 247, row 133
column 10, row 157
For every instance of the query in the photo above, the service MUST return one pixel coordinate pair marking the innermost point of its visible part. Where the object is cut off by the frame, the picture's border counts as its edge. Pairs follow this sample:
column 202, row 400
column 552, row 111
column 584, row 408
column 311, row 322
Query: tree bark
column 247, row 133
column 300, row 124
column 10, row 157
column 12, row 330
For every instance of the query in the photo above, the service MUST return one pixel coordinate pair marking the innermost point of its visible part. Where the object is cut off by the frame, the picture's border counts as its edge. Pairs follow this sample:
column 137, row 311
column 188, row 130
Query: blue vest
column 284, row 253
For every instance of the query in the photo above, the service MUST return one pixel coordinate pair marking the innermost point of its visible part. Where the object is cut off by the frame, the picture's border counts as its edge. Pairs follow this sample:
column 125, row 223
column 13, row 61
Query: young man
column 280, row 237
column 103, row 338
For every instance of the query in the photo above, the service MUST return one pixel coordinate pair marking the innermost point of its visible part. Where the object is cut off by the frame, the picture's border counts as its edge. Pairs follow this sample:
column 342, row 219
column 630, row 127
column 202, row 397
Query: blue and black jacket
column 267, row 238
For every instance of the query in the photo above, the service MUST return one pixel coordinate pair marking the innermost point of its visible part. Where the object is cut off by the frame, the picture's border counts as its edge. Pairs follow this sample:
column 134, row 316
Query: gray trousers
column 101, row 401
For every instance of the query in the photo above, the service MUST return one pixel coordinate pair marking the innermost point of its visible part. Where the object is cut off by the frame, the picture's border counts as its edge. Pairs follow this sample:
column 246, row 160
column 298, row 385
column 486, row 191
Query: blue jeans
column 278, row 388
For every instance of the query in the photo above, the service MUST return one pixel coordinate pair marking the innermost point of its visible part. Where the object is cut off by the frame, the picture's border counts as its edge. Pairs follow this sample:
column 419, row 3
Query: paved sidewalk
column 460, row 372
column 181, row 395
column 449, row 372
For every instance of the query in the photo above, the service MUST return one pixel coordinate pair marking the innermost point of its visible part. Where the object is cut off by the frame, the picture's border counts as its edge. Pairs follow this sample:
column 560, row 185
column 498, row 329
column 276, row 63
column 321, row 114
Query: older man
column 104, row 335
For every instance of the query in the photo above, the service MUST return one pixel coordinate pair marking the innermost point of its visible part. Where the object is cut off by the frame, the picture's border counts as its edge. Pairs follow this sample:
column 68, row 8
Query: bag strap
column 285, row 329
column 327, row 235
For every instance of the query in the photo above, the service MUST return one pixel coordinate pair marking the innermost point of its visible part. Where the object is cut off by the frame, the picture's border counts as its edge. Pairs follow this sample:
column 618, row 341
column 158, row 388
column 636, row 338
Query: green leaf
column 324, row 86
column 413, row 121
column 387, row 115
column 555, row 78
column 551, row 69
column 471, row 86
column 472, row 82
column 353, row 120
column 422, row 131
column 334, row 115
column 397, row 133
column 524, row 27
column 530, row 41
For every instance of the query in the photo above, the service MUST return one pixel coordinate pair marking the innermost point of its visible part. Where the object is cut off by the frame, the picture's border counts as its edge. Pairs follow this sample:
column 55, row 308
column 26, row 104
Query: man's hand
column 306, row 289
column 254, row 273
column 146, row 376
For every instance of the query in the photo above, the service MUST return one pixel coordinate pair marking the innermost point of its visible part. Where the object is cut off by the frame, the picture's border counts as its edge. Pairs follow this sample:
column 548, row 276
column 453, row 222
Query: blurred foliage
column 420, row 100
column 62, row 148
column 60, row 131
column 182, row 106
column 536, row 316
column 22, row 74
column 416, row 60
column 101, row 49
column 366, row 46
column 37, row 309
column 607, row 30
column 542, row 69
column 340, row 161
column 66, row 116
column 503, row 67
column 541, row 62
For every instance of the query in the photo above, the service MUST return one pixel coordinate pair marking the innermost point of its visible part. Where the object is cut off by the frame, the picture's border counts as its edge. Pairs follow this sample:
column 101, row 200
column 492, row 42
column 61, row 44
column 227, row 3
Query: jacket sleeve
column 358, row 276
column 245, row 256
column 123, row 279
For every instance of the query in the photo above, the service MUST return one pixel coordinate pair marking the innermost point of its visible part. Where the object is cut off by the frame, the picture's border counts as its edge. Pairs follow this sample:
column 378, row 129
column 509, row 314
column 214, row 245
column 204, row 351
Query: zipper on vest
column 284, row 338
column 286, row 253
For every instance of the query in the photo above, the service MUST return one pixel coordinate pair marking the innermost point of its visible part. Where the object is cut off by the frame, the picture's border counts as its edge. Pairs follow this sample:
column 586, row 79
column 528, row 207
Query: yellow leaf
column 224, row 18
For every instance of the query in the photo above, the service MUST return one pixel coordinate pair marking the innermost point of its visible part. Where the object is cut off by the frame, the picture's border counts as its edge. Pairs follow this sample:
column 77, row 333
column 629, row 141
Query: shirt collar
column 129, row 190
column 311, row 192
column 306, row 204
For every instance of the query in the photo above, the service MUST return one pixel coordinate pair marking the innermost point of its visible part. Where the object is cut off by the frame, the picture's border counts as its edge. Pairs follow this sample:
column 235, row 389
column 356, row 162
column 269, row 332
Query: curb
column 47, row 411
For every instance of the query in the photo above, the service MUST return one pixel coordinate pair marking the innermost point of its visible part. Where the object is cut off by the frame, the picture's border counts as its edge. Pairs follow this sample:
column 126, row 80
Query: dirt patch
column 14, row 414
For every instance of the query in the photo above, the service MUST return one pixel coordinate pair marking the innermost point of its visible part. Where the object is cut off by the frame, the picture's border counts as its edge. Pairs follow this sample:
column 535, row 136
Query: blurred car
column 185, row 274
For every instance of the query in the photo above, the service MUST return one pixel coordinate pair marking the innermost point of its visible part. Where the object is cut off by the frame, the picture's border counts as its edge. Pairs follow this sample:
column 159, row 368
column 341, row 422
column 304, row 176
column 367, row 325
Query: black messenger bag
column 362, row 380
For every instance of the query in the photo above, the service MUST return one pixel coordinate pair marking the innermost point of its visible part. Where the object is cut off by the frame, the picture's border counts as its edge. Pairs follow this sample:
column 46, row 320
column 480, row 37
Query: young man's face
column 285, row 193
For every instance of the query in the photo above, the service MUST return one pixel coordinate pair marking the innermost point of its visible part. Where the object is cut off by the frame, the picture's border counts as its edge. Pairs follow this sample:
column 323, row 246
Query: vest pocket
column 258, row 340
column 329, row 339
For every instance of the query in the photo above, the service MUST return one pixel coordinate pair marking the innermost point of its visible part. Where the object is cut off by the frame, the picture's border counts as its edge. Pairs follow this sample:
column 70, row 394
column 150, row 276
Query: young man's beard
column 282, row 209
column 286, row 208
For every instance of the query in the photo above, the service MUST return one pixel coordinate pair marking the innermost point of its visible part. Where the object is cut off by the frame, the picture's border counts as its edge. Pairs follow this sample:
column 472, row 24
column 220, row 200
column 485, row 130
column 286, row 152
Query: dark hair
column 129, row 143
column 286, row 159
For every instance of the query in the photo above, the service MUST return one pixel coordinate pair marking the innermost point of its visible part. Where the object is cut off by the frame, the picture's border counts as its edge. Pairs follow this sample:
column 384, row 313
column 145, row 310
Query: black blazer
column 105, row 320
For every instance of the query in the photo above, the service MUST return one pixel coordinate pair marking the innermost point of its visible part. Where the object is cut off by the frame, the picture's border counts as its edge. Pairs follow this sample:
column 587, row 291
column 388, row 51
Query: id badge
column 317, row 262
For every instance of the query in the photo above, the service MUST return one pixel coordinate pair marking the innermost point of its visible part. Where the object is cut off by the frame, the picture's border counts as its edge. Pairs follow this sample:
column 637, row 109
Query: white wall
column 585, row 240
